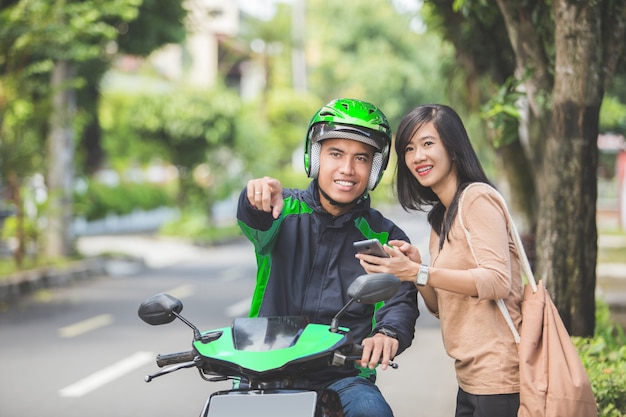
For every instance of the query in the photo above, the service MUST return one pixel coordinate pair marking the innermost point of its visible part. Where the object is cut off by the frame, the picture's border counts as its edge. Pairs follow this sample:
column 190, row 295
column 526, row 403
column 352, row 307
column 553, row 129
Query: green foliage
column 183, row 126
column 158, row 23
column 8, row 268
column 34, row 34
column 478, row 32
column 502, row 114
column 35, row 30
column 604, row 358
column 121, row 142
column 21, row 135
column 193, row 130
column 613, row 115
column 30, row 229
column 272, row 142
column 99, row 200
column 379, row 59
column 194, row 225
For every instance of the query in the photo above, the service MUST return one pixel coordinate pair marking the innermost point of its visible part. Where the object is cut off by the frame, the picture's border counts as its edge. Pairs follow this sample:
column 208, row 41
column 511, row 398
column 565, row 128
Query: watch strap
column 388, row 332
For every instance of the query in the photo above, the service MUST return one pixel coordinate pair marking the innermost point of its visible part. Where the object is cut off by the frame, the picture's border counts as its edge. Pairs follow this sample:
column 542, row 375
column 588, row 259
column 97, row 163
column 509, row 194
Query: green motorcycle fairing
column 315, row 340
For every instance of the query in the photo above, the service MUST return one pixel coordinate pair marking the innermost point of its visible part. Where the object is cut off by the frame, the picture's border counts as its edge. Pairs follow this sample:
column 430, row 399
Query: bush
column 604, row 358
column 100, row 200
column 196, row 227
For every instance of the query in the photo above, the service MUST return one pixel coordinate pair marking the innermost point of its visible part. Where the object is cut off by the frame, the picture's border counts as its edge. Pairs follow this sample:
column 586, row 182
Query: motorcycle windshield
column 258, row 334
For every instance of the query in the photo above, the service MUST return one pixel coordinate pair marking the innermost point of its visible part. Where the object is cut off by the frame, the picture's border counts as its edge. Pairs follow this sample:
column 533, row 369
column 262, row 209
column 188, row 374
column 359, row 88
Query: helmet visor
column 329, row 130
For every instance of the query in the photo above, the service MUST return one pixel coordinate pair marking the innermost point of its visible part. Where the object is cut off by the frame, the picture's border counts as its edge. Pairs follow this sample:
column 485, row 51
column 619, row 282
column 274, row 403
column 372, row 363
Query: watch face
column 422, row 276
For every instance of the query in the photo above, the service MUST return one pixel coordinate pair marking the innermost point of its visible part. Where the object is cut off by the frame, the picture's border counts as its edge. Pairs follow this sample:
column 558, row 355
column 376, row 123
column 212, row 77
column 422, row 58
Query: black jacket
column 306, row 262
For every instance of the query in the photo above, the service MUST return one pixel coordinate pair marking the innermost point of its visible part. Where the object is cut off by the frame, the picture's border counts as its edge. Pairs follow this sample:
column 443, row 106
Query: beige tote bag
column 553, row 380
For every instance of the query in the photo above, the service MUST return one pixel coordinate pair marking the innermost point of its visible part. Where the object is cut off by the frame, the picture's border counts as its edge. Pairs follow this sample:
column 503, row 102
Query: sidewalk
column 424, row 383
column 611, row 280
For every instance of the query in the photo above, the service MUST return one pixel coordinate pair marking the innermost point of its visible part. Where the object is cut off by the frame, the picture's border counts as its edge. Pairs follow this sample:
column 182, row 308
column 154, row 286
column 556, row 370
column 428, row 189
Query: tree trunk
column 92, row 146
column 61, row 159
column 89, row 148
column 567, row 235
column 513, row 161
column 15, row 196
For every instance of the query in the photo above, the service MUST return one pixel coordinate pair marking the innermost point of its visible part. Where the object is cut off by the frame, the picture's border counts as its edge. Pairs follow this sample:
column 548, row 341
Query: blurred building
column 611, row 204
column 211, row 50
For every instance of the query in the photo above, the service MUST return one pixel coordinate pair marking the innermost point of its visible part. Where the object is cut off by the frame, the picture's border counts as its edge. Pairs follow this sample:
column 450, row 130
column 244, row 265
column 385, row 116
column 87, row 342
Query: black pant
column 498, row 405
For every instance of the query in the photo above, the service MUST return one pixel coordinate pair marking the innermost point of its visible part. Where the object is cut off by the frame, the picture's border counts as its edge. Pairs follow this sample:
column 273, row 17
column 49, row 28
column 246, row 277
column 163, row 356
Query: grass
column 616, row 253
column 8, row 266
column 612, row 255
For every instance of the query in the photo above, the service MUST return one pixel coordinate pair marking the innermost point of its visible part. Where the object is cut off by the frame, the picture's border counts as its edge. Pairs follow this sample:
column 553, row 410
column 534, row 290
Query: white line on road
column 233, row 274
column 86, row 325
column 239, row 309
column 106, row 375
column 181, row 291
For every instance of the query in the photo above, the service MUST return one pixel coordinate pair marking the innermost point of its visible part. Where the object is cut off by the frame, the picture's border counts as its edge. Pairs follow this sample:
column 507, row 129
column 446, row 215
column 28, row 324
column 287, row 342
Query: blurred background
column 129, row 127
column 131, row 116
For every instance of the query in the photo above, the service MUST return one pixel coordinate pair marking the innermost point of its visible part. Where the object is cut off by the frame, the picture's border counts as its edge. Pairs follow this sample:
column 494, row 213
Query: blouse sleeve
column 487, row 233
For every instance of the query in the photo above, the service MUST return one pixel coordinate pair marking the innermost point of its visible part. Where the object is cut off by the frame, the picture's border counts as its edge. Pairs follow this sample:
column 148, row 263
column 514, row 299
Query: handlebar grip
column 357, row 350
column 174, row 358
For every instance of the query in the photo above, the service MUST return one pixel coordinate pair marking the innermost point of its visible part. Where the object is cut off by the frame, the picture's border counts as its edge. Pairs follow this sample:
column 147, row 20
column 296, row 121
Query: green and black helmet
column 349, row 119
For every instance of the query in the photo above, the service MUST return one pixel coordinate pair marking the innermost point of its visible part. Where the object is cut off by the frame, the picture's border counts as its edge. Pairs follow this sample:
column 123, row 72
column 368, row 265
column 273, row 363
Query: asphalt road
column 82, row 350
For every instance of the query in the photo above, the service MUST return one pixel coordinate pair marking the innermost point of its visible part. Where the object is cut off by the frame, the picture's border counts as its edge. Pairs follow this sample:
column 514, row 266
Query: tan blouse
column 475, row 334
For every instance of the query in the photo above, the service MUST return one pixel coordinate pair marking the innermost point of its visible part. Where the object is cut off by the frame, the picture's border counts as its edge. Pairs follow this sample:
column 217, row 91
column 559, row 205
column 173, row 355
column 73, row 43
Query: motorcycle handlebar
column 174, row 358
column 355, row 355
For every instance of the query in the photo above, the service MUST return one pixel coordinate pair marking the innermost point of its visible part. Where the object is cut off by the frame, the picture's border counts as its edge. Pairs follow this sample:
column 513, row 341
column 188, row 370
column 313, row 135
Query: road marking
column 240, row 309
column 181, row 291
column 232, row 274
column 106, row 375
column 85, row 326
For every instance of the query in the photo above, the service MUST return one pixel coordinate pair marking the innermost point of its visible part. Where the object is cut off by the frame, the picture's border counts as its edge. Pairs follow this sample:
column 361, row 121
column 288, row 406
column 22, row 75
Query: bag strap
column 517, row 240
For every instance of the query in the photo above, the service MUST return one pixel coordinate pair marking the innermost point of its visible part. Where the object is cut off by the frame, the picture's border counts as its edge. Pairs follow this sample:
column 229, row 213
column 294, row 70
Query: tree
column 21, row 126
column 368, row 50
column 156, row 24
column 187, row 129
column 46, row 39
column 565, row 56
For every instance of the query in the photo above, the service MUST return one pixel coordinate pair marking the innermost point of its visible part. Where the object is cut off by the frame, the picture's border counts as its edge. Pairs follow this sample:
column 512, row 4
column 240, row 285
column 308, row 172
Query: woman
column 473, row 260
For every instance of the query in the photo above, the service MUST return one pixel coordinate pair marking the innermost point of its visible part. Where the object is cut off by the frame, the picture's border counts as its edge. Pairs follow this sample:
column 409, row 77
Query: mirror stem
column 196, row 332
column 334, row 324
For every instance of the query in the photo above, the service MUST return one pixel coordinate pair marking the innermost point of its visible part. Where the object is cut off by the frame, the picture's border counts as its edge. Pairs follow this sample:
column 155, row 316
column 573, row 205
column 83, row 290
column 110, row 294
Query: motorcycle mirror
column 373, row 288
column 368, row 289
column 160, row 309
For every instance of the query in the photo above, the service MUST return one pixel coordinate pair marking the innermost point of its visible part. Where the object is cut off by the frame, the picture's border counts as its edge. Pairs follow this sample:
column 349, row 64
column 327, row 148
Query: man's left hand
column 378, row 349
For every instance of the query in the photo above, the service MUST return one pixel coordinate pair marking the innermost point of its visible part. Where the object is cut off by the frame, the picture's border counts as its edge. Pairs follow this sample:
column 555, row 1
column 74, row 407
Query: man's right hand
column 266, row 194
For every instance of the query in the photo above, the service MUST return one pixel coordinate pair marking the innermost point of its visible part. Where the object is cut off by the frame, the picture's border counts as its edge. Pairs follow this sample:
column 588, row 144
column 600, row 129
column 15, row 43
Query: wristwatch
column 388, row 332
column 422, row 276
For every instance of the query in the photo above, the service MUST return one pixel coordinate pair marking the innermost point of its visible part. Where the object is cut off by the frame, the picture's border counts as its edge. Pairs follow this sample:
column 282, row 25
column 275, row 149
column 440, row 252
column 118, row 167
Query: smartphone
column 370, row 247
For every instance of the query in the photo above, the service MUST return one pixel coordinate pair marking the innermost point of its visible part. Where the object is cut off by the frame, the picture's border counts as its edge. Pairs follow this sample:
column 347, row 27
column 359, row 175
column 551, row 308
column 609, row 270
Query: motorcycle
column 263, row 355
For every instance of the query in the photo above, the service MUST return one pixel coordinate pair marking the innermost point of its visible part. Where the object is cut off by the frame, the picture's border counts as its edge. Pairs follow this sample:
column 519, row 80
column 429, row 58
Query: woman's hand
column 403, row 262
column 407, row 249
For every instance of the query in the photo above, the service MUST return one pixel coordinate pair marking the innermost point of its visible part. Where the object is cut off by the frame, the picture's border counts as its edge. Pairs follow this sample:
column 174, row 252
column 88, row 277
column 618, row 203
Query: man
column 303, row 244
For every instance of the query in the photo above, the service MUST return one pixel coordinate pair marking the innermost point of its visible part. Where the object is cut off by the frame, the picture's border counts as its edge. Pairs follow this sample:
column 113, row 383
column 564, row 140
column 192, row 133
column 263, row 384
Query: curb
column 26, row 282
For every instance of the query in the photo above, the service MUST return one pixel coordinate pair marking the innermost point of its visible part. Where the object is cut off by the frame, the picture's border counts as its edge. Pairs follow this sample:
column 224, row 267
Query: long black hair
column 411, row 194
